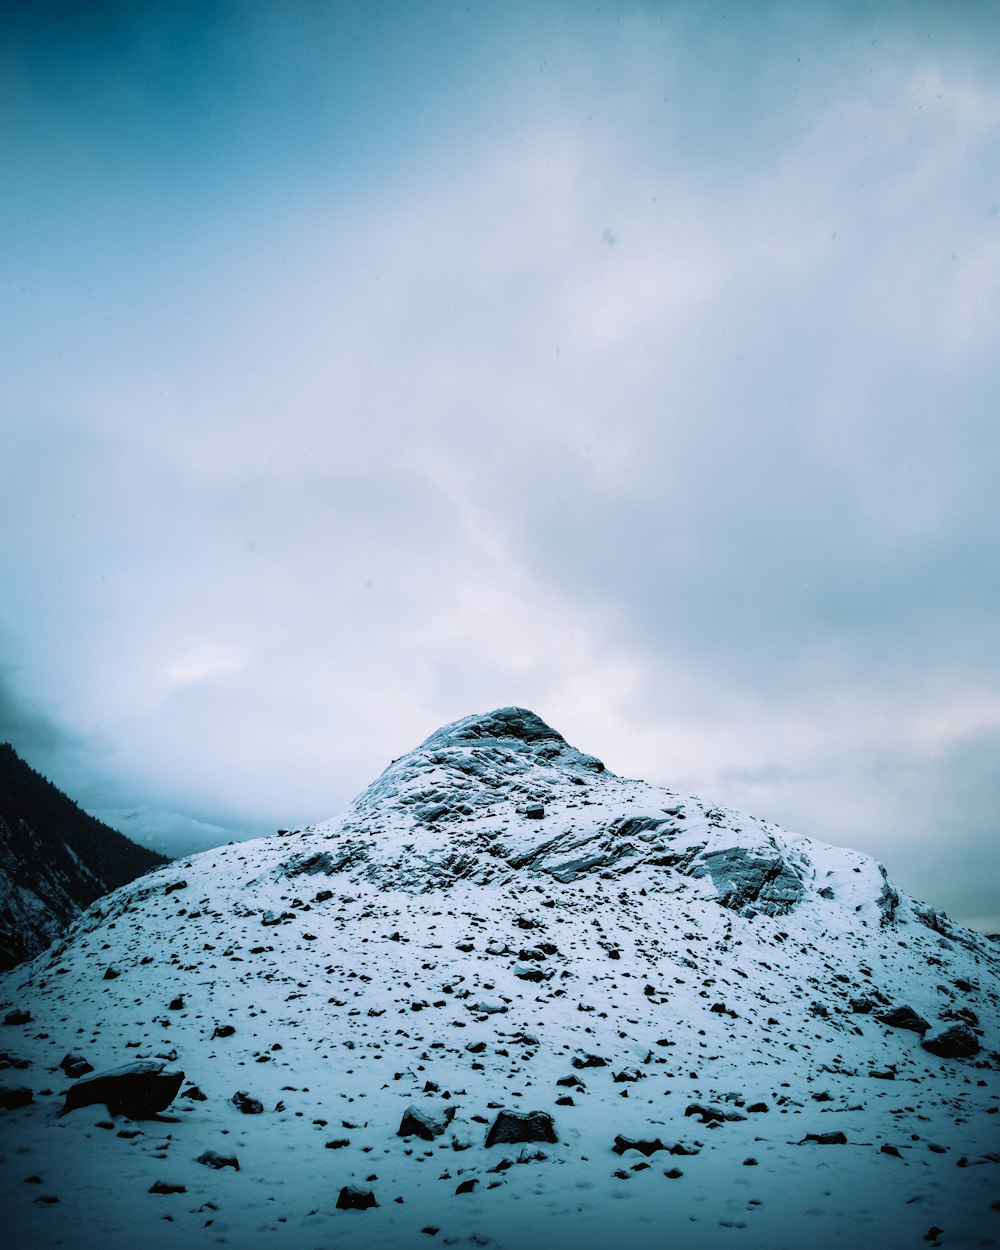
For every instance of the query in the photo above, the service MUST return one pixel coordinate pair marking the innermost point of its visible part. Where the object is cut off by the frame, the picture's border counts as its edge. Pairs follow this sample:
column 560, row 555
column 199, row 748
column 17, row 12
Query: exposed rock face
column 749, row 882
column 511, row 1127
column 958, row 1042
column 55, row 860
column 502, row 796
column 138, row 1090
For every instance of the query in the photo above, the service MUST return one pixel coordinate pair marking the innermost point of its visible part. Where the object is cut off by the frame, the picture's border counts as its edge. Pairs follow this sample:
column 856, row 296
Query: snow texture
column 696, row 1001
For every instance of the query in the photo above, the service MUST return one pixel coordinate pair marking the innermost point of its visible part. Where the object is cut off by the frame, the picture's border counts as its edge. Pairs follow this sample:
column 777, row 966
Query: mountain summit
column 490, row 798
column 509, row 999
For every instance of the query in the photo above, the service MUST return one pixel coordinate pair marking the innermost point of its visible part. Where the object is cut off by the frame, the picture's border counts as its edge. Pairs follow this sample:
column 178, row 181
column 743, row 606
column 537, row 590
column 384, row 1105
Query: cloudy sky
column 367, row 365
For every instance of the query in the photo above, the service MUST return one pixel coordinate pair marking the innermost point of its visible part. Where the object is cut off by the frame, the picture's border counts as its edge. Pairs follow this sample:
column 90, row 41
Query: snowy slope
column 500, row 923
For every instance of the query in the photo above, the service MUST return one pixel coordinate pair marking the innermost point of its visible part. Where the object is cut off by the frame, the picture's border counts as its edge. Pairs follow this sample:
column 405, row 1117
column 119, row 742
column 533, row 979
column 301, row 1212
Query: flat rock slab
column 521, row 1126
column 137, row 1090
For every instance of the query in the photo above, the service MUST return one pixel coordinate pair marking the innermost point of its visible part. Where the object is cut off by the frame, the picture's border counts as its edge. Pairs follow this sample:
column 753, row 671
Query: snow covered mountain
column 55, row 860
column 509, row 999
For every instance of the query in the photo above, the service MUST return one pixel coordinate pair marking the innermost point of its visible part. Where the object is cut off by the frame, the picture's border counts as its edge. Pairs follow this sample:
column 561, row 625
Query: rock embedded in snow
column 958, row 1042
column 137, row 1090
column 643, row 1146
column 353, row 1198
column 903, row 1018
column 511, row 1127
column 14, row 1096
column 210, row 1159
column 424, row 1122
column 75, row 1066
column 242, row 1101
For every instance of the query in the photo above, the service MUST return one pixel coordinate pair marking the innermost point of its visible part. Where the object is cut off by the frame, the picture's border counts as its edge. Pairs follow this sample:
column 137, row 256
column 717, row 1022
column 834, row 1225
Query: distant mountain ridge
column 55, row 860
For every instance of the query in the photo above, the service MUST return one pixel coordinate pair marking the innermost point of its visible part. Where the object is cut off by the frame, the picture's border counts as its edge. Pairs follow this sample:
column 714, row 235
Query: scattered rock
column 167, row 1187
column 249, row 1106
column 825, row 1139
column 212, row 1160
column 712, row 1115
column 17, row 1017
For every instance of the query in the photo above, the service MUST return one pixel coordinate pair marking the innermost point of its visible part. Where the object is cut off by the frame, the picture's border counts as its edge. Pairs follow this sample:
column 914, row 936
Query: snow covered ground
column 499, row 924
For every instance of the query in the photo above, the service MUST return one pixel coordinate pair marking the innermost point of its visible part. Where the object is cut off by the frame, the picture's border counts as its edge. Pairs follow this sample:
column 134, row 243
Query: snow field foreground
column 688, row 993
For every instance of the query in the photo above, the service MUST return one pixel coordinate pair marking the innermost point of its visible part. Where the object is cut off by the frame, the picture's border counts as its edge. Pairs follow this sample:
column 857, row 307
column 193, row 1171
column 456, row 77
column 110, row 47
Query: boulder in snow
column 137, row 1090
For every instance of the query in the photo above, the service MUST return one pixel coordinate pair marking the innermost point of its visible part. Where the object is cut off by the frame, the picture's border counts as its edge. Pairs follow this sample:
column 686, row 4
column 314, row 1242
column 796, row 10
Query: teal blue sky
column 367, row 365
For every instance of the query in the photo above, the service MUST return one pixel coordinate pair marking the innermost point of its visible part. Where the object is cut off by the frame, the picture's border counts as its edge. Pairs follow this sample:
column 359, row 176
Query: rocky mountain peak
column 502, row 797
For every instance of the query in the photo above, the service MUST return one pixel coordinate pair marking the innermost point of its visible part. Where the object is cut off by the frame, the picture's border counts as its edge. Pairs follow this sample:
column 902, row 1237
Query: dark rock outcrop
column 138, row 1090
